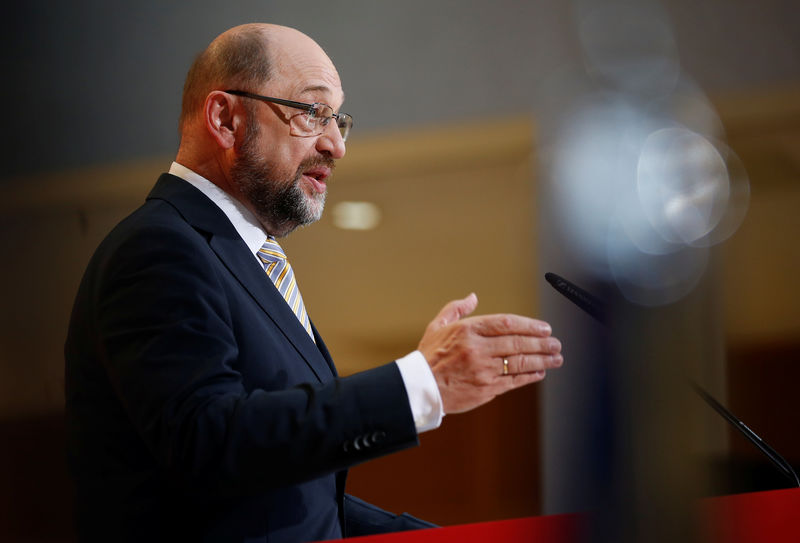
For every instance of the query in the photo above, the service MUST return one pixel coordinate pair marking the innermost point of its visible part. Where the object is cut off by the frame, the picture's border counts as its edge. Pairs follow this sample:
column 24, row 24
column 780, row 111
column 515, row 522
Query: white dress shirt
column 423, row 392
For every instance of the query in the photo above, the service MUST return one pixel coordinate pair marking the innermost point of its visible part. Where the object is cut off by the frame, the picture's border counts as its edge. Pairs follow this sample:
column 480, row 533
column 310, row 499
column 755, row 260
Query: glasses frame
column 310, row 109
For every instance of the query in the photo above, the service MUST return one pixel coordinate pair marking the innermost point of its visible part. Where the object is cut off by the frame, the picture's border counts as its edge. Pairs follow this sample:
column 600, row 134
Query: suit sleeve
column 166, row 341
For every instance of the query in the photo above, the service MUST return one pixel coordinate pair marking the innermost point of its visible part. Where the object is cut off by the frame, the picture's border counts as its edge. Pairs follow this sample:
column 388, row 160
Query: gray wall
column 90, row 81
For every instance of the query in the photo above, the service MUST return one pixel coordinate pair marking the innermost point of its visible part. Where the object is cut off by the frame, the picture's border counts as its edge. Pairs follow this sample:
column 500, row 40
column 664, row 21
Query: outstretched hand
column 475, row 359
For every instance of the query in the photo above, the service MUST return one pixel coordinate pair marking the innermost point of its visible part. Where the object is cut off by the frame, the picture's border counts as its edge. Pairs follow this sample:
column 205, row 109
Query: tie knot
column 270, row 251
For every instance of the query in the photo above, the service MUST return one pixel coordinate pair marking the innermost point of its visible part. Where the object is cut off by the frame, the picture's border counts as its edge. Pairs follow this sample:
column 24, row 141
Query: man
column 202, row 403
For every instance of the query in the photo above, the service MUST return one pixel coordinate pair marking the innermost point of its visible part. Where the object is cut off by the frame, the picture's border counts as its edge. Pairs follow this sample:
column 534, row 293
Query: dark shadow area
column 36, row 499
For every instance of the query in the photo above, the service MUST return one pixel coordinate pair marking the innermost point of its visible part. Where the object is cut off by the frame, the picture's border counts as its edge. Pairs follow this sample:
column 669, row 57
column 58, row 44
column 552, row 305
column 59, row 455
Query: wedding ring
column 505, row 366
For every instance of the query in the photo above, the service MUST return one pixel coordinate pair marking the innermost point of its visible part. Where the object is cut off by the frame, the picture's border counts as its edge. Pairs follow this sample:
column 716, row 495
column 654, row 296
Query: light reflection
column 356, row 215
column 642, row 181
column 682, row 183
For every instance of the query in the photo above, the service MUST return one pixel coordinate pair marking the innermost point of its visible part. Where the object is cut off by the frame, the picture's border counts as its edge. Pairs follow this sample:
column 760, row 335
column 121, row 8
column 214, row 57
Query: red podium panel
column 550, row 529
column 772, row 516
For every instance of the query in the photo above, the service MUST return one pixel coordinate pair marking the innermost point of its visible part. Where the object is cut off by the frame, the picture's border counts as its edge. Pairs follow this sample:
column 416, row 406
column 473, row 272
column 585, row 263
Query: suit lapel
column 324, row 350
column 223, row 239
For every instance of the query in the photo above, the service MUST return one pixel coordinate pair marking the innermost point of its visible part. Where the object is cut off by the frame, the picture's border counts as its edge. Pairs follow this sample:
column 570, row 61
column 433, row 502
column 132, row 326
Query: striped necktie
column 280, row 272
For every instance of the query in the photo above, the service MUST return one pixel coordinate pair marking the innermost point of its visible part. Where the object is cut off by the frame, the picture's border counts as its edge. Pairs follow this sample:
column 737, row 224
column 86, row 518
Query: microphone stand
column 595, row 308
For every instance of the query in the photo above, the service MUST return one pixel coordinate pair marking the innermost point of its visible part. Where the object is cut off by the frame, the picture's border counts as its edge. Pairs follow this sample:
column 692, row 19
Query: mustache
column 319, row 160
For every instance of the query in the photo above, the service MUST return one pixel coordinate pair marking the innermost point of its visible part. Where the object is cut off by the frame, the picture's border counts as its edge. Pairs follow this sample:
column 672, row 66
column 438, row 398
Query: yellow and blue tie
column 280, row 272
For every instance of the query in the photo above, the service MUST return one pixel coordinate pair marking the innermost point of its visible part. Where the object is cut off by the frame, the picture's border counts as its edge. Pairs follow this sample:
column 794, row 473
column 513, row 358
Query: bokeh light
column 643, row 182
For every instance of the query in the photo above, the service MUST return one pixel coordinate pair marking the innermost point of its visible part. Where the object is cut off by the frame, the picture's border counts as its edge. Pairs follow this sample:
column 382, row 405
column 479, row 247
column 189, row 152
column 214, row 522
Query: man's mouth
column 316, row 177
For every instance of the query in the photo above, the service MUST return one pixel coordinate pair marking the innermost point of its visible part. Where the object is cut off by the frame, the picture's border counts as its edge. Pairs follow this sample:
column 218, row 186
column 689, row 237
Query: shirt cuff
column 423, row 392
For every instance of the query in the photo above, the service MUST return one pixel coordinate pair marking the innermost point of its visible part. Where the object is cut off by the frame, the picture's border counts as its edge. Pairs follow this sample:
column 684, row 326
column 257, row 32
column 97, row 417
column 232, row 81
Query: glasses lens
column 322, row 114
column 304, row 124
column 345, row 123
column 314, row 121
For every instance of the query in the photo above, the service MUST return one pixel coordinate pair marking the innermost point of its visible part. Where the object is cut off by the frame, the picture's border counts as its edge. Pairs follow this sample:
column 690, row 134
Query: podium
column 772, row 516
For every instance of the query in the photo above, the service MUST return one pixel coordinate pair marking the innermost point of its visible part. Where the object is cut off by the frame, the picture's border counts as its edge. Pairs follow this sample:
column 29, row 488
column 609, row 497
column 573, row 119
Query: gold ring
column 505, row 366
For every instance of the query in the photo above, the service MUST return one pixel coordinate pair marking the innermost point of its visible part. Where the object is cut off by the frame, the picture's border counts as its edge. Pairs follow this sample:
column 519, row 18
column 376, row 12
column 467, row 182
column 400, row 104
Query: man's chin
column 281, row 212
column 315, row 205
column 311, row 214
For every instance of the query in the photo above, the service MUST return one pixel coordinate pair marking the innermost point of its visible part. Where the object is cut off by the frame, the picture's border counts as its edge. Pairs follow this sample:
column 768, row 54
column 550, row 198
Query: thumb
column 454, row 311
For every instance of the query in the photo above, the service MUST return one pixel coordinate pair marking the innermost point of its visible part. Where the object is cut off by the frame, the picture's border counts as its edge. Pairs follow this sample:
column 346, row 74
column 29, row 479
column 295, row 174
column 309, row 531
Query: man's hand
column 467, row 355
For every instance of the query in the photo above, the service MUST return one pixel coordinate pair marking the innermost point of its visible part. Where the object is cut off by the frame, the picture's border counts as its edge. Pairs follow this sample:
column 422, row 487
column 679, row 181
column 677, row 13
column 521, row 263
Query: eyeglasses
column 313, row 121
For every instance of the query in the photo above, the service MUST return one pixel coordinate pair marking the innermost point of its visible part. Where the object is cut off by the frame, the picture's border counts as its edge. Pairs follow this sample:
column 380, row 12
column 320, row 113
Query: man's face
column 284, row 177
column 280, row 198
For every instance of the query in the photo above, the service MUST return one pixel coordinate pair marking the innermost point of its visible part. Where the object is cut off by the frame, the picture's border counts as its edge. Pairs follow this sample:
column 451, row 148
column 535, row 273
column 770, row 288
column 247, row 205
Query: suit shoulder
column 154, row 226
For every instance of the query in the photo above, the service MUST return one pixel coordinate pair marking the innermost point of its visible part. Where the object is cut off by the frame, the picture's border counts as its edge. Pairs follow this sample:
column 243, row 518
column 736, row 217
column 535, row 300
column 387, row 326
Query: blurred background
column 516, row 125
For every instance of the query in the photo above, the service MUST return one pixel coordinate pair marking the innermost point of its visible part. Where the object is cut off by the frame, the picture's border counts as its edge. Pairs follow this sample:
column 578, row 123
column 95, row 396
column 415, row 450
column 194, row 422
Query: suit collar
column 245, row 222
column 193, row 205
column 205, row 216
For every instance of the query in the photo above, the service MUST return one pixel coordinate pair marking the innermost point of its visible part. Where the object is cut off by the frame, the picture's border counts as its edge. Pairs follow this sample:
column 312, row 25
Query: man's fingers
column 508, row 346
column 500, row 325
column 519, row 364
column 466, row 355
column 455, row 310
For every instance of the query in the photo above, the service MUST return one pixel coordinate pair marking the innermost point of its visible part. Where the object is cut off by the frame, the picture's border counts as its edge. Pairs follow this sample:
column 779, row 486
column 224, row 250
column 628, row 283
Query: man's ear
column 222, row 119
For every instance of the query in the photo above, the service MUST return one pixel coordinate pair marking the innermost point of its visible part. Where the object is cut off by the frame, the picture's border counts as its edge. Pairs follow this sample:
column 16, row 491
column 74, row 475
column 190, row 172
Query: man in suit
column 202, row 403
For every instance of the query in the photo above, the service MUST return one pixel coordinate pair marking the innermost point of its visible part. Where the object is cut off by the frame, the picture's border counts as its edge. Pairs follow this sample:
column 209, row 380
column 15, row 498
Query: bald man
column 202, row 404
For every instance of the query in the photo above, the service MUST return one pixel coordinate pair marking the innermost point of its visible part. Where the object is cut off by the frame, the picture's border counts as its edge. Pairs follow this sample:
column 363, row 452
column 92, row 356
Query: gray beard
column 281, row 205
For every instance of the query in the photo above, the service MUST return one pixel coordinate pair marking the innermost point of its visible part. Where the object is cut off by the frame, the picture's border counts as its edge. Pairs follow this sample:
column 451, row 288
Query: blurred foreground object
column 642, row 188
column 643, row 182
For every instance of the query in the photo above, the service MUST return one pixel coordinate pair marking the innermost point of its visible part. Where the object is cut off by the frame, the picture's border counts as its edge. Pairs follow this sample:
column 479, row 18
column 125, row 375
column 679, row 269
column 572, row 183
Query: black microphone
column 578, row 296
column 594, row 307
column 777, row 460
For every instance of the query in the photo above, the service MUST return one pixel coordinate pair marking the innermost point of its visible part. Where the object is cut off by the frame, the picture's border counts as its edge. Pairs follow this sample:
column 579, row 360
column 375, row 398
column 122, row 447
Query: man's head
column 261, row 152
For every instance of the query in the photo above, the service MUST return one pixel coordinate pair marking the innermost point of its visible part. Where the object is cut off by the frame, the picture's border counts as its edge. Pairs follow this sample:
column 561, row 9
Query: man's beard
column 281, row 205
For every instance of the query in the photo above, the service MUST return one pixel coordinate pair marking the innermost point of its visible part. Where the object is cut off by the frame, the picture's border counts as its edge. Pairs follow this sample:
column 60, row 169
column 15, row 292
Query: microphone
column 777, row 460
column 578, row 296
column 594, row 307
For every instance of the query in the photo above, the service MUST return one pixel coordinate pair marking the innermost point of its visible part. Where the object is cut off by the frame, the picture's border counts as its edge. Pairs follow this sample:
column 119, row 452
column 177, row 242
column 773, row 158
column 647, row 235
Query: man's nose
column 331, row 141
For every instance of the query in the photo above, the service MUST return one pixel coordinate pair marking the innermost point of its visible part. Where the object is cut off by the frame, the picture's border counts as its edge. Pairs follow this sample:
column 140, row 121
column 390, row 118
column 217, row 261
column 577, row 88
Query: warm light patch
column 356, row 215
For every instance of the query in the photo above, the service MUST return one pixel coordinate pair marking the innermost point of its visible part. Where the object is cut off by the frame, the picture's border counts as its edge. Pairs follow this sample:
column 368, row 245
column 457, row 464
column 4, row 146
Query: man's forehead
column 330, row 94
column 301, row 67
column 319, row 81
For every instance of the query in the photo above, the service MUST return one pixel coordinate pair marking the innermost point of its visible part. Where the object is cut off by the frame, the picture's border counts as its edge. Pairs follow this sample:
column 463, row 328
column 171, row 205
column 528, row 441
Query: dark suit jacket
column 198, row 408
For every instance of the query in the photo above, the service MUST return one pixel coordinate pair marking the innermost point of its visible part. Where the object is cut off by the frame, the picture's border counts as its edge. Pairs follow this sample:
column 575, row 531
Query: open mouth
column 317, row 176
